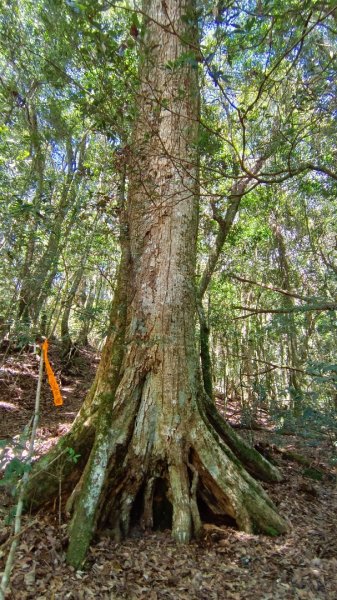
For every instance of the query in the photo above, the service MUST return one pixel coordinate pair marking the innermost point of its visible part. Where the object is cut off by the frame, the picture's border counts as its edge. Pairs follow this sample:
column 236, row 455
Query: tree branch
column 305, row 308
column 274, row 366
column 268, row 287
column 225, row 224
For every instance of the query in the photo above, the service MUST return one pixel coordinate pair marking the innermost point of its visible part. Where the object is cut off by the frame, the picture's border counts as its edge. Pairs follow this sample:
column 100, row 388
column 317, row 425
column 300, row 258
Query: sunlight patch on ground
column 8, row 405
column 17, row 447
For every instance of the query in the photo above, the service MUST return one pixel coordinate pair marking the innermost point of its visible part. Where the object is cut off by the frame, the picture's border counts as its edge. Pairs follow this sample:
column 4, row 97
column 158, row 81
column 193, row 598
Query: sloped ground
column 225, row 564
column 18, row 381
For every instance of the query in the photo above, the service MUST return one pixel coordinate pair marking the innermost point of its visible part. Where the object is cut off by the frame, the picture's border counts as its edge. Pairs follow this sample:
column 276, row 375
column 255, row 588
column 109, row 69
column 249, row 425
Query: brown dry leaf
column 116, row 566
column 30, row 577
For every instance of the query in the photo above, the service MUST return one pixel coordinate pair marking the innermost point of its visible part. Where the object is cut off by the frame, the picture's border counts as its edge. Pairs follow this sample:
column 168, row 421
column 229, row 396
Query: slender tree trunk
column 46, row 266
column 87, row 312
column 205, row 353
column 247, row 399
column 238, row 189
column 153, row 430
column 39, row 271
column 67, row 344
column 294, row 381
column 26, row 298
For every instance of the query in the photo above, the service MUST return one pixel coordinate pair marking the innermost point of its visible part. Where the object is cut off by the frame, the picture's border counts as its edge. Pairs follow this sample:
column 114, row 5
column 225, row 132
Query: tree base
column 143, row 463
column 129, row 482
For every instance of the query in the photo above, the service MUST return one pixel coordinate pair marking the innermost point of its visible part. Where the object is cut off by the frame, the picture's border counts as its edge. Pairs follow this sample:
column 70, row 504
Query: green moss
column 266, row 530
column 205, row 355
column 106, row 399
column 77, row 551
column 299, row 458
column 271, row 532
column 314, row 474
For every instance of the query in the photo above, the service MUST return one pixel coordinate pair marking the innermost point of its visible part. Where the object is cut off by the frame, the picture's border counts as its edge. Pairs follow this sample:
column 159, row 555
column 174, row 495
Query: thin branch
column 306, row 308
column 274, row 366
column 225, row 224
column 285, row 54
column 17, row 535
column 268, row 287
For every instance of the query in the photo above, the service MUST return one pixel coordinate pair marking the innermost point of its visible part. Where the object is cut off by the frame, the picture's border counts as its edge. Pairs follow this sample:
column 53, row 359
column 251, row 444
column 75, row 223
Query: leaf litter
column 224, row 565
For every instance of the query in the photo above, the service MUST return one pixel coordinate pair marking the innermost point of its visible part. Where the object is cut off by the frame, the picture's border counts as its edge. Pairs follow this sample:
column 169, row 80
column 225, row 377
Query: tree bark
column 152, row 432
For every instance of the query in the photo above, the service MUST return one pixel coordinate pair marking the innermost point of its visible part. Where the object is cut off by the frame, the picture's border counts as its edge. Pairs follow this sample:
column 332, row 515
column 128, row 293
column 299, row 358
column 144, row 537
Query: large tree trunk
column 152, row 432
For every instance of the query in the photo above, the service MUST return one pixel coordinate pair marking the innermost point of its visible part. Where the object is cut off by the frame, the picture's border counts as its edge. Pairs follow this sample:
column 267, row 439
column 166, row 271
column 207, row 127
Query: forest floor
column 224, row 564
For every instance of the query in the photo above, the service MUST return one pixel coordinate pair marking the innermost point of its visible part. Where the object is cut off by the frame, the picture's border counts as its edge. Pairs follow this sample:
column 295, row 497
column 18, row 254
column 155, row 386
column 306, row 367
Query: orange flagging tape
column 51, row 377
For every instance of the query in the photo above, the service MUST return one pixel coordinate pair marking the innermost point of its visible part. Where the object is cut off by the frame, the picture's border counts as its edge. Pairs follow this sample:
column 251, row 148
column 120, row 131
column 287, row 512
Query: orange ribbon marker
column 51, row 377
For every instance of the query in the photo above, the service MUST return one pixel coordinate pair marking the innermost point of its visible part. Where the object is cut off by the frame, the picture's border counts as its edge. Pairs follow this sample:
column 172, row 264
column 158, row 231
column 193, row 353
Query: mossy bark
column 158, row 447
column 205, row 355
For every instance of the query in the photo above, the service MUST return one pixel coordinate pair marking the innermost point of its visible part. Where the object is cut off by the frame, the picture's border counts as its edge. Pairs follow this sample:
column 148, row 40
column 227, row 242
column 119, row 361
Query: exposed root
column 197, row 524
column 131, row 487
column 182, row 517
column 253, row 461
column 58, row 467
column 235, row 491
column 134, row 477
column 109, row 447
column 146, row 520
column 85, row 516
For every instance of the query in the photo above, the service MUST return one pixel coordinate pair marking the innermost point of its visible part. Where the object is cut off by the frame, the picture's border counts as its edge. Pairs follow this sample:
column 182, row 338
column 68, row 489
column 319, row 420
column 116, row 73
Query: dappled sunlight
column 18, row 381
column 8, row 406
